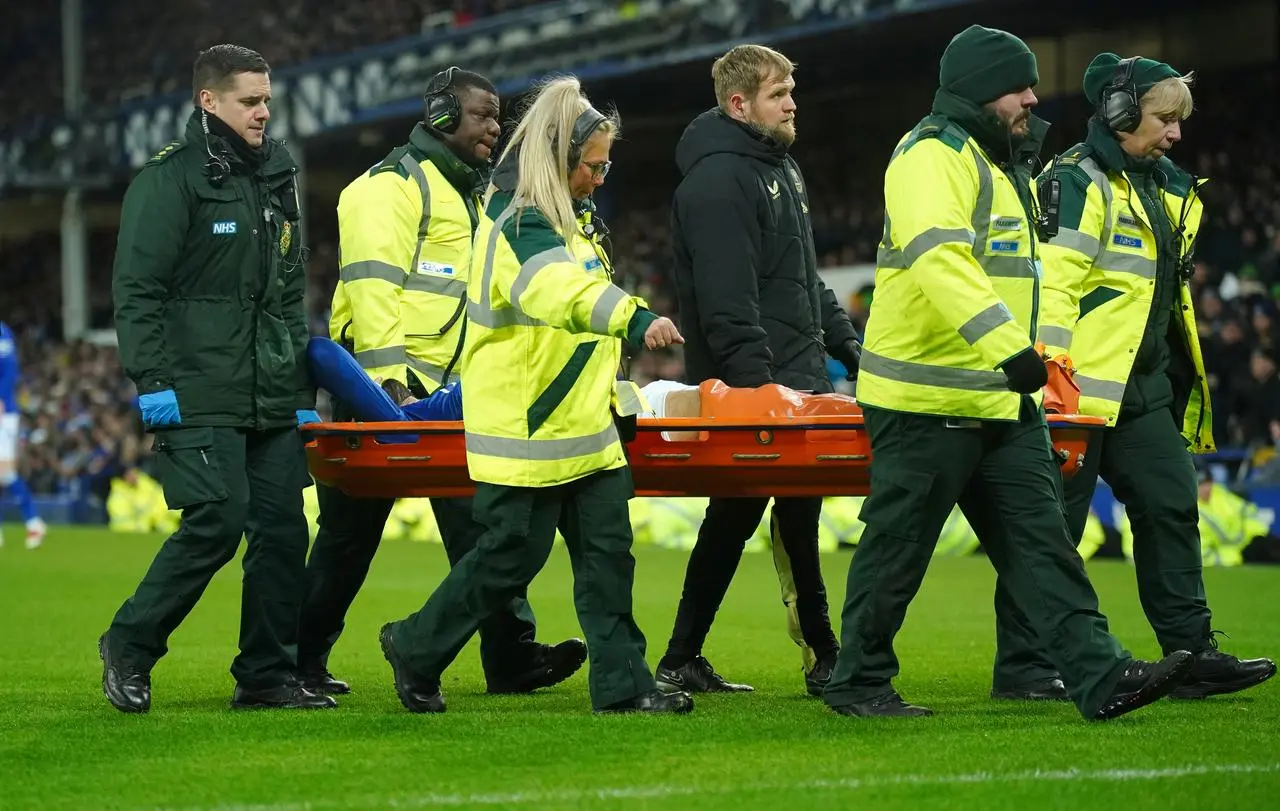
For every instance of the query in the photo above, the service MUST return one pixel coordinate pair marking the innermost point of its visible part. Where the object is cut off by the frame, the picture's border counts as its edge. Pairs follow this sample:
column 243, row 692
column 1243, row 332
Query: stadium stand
column 80, row 425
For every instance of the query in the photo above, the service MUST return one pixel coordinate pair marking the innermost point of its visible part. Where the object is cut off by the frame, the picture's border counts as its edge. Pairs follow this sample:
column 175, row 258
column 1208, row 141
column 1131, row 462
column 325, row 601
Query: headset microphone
column 218, row 168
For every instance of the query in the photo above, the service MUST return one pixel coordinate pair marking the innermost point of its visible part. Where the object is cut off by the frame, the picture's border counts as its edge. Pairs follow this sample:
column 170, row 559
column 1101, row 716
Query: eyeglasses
column 600, row 169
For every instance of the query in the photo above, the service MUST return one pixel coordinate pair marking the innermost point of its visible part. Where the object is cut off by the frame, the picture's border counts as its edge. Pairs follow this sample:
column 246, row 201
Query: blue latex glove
column 306, row 415
column 160, row 409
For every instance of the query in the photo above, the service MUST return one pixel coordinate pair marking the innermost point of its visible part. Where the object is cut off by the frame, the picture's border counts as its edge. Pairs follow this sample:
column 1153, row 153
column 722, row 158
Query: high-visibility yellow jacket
column 139, row 507
column 1100, row 280
column 405, row 229
column 956, row 280
column 542, row 351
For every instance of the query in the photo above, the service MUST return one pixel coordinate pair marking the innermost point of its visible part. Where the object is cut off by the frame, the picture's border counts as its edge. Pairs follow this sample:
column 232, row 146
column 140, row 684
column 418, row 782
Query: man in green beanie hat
column 1116, row 299
column 950, row 387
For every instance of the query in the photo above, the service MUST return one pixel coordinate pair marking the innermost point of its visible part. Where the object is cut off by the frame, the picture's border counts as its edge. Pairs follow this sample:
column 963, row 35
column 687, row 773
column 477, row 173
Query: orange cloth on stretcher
column 770, row 400
column 1061, row 396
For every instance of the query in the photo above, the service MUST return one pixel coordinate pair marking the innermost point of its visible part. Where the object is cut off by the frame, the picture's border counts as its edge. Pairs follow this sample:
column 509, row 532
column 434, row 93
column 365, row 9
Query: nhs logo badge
column 592, row 264
column 1004, row 246
column 1127, row 242
column 224, row 228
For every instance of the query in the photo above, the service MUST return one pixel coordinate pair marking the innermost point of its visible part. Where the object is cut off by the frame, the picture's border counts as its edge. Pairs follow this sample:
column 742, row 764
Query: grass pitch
column 62, row 746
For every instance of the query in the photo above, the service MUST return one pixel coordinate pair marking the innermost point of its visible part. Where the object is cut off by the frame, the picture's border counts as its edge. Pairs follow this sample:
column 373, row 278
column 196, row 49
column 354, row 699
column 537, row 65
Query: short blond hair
column 744, row 68
column 1170, row 98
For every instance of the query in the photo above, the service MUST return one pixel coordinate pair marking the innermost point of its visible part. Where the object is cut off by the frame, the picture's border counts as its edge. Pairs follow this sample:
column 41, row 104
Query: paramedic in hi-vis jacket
column 405, row 228
column 950, row 385
column 1116, row 299
column 544, row 342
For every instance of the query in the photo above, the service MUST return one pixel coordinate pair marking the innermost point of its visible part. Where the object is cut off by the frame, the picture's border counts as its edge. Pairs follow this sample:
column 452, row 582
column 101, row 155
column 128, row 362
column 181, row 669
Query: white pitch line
column 665, row 791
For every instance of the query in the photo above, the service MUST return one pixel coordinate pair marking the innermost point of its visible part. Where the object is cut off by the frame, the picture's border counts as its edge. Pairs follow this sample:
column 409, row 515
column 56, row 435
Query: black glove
column 850, row 354
column 1026, row 372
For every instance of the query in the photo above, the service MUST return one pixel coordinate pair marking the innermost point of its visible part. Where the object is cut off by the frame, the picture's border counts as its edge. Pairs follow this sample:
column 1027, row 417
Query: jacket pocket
column 189, row 467
column 898, row 502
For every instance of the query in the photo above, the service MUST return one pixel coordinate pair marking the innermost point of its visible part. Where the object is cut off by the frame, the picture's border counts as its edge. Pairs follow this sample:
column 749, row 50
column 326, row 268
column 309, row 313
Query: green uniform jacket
column 209, row 282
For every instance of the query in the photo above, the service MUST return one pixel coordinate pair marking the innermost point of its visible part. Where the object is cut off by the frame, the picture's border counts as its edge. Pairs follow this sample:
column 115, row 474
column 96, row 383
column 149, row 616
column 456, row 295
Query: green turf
column 63, row 746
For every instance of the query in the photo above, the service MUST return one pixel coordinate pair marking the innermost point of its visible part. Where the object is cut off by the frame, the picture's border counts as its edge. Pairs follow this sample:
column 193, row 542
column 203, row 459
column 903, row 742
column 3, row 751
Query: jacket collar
column 270, row 158
column 466, row 179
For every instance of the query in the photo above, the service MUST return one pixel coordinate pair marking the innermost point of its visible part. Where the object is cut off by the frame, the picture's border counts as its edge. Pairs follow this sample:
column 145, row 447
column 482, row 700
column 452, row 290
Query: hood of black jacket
column 713, row 132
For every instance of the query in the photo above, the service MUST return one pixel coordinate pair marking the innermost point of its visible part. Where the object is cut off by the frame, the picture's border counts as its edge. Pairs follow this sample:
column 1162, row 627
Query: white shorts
column 8, row 437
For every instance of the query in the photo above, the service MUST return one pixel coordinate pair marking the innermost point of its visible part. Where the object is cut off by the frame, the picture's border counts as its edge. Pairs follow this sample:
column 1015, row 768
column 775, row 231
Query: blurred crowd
column 136, row 50
column 81, row 426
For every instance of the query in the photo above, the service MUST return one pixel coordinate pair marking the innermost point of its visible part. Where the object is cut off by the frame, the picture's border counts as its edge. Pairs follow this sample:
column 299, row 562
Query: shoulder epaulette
column 939, row 128
column 391, row 163
column 164, row 154
column 1068, row 163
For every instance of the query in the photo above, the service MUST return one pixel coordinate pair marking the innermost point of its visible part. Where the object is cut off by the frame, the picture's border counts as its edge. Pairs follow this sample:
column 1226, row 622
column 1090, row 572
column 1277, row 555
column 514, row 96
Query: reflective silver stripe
column 604, row 308
column 430, row 370
column 1099, row 178
column 531, row 267
column 541, row 450
column 629, row 400
column 985, row 322
column 482, row 311
column 997, row 266
column 1128, row 263
column 1055, row 336
column 372, row 269
column 982, row 208
column 920, row 245
column 440, row 285
column 1078, row 241
column 497, row 319
column 1100, row 389
column 386, row 356
column 1008, row 267
column 424, row 188
column 921, row 374
column 1108, row 259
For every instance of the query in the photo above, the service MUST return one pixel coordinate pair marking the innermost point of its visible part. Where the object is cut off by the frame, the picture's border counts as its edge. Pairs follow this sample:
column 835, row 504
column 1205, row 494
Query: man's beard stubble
column 780, row 133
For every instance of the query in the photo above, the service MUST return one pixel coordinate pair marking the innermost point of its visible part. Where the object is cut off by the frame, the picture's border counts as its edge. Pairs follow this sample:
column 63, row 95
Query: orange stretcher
column 793, row 444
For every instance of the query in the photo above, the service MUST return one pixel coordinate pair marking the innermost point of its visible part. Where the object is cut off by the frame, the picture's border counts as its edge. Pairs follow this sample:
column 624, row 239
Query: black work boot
column 654, row 701
column 885, row 705
column 696, row 676
column 1051, row 689
column 551, row 665
column 128, row 689
column 315, row 676
column 1216, row 673
column 288, row 696
column 1145, row 682
column 415, row 694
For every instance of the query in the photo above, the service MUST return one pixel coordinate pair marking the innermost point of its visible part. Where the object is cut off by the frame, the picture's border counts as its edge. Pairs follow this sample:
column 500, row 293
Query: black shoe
column 318, row 679
column 127, row 689
column 1145, row 682
column 1051, row 689
column 552, row 664
column 678, row 703
column 290, row 696
column 696, row 676
column 815, row 680
column 885, row 705
column 415, row 695
column 1215, row 673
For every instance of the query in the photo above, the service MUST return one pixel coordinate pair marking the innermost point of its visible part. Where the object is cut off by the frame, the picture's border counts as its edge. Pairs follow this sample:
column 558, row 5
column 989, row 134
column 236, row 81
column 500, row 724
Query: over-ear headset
column 1118, row 106
column 217, row 168
column 444, row 111
column 583, row 127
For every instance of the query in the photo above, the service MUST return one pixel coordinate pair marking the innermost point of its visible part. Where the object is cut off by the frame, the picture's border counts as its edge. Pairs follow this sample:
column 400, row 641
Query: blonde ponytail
column 543, row 140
